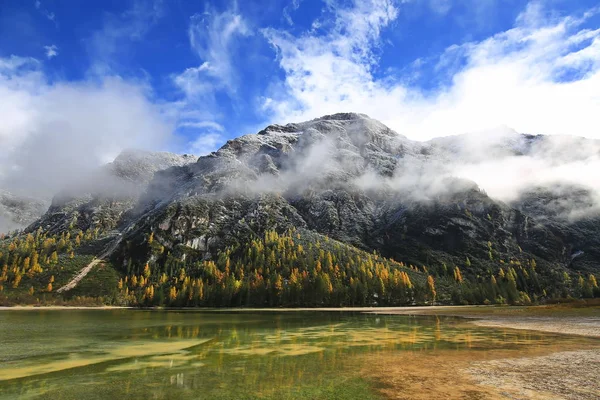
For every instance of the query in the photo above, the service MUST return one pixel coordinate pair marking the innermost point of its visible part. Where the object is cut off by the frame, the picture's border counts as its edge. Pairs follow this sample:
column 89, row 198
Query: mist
column 514, row 165
column 70, row 130
column 56, row 133
column 501, row 162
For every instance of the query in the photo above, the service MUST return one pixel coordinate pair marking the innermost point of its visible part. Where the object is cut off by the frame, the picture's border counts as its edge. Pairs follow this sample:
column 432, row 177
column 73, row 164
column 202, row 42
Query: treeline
column 278, row 270
column 513, row 282
column 291, row 269
column 28, row 260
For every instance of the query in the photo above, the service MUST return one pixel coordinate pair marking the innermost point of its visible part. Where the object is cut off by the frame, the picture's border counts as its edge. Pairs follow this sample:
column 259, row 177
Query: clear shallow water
column 99, row 354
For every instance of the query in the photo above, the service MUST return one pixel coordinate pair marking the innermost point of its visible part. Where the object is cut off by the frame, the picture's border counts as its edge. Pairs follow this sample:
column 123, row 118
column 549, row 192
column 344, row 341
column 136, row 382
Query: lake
column 99, row 354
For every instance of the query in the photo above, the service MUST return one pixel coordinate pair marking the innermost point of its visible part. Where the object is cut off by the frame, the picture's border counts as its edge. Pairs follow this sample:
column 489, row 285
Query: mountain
column 348, row 177
column 18, row 211
column 122, row 180
column 573, row 212
column 100, row 200
column 339, row 210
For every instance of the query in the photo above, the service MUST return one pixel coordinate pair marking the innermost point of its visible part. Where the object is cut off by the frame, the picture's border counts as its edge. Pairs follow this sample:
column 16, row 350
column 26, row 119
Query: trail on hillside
column 112, row 246
column 84, row 271
column 97, row 260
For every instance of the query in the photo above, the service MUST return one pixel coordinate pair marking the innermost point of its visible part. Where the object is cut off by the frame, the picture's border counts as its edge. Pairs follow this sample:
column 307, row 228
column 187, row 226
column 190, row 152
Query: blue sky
column 187, row 75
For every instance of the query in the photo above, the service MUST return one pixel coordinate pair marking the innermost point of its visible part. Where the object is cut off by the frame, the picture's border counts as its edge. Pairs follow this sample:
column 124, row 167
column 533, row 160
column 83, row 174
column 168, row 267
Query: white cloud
column 51, row 51
column 52, row 133
column 505, row 178
column 202, row 124
column 206, row 143
column 289, row 9
column 192, row 81
column 212, row 36
column 15, row 64
column 48, row 14
column 541, row 76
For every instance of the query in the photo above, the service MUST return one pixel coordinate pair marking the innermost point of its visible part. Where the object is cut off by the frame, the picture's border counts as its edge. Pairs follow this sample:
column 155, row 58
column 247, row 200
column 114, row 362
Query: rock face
column 139, row 167
column 573, row 213
column 17, row 212
column 353, row 179
column 101, row 200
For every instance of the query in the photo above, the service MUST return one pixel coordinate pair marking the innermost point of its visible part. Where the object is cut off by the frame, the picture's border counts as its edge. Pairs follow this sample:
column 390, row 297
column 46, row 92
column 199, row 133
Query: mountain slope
column 225, row 230
column 17, row 211
column 354, row 180
column 100, row 201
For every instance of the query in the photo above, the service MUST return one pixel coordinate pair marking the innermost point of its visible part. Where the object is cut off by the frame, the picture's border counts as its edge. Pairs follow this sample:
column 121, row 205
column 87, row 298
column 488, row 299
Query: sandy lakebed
column 567, row 368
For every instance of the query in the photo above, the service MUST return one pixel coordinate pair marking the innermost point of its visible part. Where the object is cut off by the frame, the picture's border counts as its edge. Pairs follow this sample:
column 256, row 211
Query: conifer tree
column 147, row 271
column 431, row 287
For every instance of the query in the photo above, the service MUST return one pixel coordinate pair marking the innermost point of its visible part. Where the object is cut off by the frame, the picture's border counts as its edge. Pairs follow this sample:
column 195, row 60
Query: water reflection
column 218, row 355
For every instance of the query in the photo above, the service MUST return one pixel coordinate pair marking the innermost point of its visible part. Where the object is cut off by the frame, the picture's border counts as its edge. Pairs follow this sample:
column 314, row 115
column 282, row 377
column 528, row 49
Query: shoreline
column 563, row 320
column 374, row 310
column 580, row 327
column 560, row 319
column 49, row 308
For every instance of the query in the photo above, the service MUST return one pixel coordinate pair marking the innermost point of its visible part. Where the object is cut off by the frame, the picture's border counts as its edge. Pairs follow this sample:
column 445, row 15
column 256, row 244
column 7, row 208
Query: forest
column 278, row 269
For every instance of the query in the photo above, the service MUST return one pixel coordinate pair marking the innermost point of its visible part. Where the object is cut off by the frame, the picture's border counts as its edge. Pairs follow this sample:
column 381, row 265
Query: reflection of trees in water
column 280, row 337
column 266, row 354
column 287, row 353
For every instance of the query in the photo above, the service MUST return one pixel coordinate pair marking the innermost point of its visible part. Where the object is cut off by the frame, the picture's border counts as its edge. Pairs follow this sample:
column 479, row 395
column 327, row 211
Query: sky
column 80, row 81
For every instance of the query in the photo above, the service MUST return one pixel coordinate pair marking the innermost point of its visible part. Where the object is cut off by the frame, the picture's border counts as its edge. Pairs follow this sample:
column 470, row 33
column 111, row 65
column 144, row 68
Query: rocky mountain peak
column 104, row 197
column 139, row 166
column 18, row 211
column 343, row 117
column 335, row 148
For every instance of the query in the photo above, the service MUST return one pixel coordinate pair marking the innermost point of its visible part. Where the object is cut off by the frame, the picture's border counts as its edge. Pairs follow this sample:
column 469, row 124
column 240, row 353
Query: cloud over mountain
column 539, row 76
